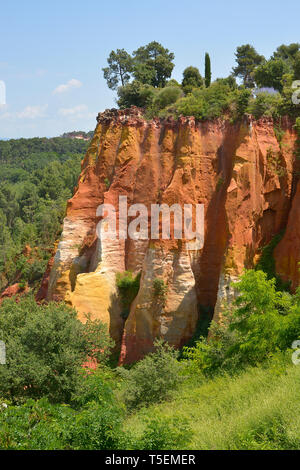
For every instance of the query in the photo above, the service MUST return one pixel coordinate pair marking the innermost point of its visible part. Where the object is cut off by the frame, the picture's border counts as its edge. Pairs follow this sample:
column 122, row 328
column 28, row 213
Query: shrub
column 167, row 96
column 262, row 320
column 265, row 104
column 165, row 434
column 266, row 262
column 191, row 79
column 40, row 425
column 135, row 93
column 128, row 287
column 151, row 379
column 206, row 103
column 45, row 348
column 97, row 426
column 160, row 290
column 297, row 129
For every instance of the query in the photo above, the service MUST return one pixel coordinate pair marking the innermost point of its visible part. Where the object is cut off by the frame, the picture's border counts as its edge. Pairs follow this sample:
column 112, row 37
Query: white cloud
column 30, row 112
column 81, row 108
column 73, row 83
column 79, row 111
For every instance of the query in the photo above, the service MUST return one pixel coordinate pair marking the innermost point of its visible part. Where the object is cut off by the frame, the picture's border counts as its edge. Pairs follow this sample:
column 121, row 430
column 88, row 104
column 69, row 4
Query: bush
column 160, row 290
column 45, row 348
column 265, row 104
column 191, row 79
column 135, row 94
column 262, row 320
column 165, row 434
column 151, row 379
column 167, row 96
column 40, row 425
column 206, row 103
column 128, row 287
column 266, row 262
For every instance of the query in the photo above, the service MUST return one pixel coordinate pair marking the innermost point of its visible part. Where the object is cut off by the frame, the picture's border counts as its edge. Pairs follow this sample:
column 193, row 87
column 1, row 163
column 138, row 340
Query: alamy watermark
column 2, row 93
column 138, row 223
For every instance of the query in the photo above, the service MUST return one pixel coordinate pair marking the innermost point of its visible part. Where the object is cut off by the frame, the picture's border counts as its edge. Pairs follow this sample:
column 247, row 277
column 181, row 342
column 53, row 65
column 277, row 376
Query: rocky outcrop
column 240, row 172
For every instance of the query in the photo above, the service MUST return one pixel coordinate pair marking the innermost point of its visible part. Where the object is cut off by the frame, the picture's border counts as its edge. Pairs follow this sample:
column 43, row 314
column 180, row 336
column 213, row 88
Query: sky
column 52, row 52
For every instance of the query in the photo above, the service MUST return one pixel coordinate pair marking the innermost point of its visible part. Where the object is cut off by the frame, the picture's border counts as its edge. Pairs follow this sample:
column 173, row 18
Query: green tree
column 271, row 74
column 191, row 79
column 247, row 60
column 120, row 65
column 207, row 70
column 167, row 96
column 45, row 348
column 153, row 64
column 287, row 52
column 135, row 94
column 151, row 379
column 297, row 66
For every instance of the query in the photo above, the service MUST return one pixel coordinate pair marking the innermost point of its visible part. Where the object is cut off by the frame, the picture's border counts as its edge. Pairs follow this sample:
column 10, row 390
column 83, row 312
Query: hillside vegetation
column 238, row 390
column 37, row 177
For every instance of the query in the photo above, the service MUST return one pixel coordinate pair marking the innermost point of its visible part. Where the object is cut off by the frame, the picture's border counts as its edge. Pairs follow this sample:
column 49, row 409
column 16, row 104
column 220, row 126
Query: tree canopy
column 247, row 60
column 120, row 66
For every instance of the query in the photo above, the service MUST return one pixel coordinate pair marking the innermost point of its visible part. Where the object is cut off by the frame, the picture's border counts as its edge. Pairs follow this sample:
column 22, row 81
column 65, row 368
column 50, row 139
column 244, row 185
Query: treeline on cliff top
column 143, row 79
column 37, row 177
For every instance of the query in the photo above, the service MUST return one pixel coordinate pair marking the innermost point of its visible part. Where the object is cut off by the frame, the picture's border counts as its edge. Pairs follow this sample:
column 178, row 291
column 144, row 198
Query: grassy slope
column 258, row 409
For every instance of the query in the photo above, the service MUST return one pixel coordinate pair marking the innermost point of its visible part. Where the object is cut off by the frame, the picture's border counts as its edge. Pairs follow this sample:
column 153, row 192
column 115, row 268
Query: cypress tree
column 207, row 70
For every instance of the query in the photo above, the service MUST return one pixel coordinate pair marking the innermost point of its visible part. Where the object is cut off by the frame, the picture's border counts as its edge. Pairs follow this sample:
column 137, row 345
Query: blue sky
column 52, row 52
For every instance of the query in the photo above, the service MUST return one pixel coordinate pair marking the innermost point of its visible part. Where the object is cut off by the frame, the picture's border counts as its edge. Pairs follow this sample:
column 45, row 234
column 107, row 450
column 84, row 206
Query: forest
column 37, row 177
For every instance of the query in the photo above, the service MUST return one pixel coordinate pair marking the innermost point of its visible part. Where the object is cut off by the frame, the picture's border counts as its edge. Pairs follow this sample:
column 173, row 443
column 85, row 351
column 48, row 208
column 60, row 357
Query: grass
column 257, row 409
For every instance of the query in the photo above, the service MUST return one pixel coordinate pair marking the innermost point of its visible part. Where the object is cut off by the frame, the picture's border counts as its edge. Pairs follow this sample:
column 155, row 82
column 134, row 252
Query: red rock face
column 14, row 290
column 239, row 172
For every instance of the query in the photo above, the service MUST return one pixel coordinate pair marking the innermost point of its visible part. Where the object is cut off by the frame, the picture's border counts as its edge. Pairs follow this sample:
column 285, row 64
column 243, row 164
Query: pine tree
column 207, row 70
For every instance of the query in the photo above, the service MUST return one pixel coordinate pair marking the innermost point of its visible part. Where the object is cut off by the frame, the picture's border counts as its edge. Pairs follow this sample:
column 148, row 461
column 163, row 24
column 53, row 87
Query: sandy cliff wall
column 241, row 174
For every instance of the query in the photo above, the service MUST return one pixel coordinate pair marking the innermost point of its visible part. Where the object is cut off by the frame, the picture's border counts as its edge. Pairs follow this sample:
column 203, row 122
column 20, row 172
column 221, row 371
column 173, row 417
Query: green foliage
column 279, row 133
column 261, row 321
column 296, row 66
column 153, row 378
column 287, row 52
column 159, row 287
column 247, row 60
column 270, row 74
column 255, row 409
column 167, row 96
column 128, row 287
column 206, row 103
column 37, row 177
column 153, row 64
column 107, row 183
column 297, row 129
column 191, row 79
column 266, row 262
column 274, row 162
column 135, row 94
column 241, row 101
column 120, row 66
column 222, row 98
column 207, row 73
column 265, row 104
column 45, row 347
column 220, row 183
column 41, row 425
column 164, row 434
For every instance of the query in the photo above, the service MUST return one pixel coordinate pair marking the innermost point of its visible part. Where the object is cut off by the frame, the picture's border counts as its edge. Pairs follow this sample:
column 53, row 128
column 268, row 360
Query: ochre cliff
column 242, row 175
